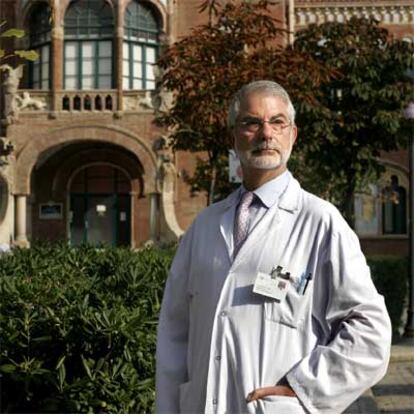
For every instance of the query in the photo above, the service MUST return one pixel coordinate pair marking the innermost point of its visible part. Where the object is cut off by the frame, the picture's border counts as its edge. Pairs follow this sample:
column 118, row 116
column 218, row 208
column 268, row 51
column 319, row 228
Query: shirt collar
column 270, row 191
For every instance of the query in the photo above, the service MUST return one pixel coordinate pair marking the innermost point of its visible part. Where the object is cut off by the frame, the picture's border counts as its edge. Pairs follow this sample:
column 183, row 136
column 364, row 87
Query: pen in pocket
column 308, row 279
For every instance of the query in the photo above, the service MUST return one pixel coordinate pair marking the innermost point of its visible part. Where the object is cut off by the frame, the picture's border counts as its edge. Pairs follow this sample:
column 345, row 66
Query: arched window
column 382, row 208
column 39, row 30
column 140, row 48
column 88, row 60
column 394, row 208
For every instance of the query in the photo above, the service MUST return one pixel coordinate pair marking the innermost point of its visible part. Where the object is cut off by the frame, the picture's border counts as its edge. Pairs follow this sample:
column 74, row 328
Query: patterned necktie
column 241, row 223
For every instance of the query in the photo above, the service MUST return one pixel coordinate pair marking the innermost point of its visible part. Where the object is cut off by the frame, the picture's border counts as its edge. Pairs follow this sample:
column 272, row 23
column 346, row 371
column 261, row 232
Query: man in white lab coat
column 286, row 321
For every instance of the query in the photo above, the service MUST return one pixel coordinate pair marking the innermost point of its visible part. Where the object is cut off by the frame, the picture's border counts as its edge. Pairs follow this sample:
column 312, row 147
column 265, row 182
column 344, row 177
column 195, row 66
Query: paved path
column 395, row 393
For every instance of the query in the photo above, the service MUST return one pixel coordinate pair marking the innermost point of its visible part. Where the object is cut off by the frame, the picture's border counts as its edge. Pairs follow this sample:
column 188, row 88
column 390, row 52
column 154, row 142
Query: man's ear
column 294, row 134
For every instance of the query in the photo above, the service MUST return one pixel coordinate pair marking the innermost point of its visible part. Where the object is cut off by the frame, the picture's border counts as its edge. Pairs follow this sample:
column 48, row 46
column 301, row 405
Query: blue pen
column 308, row 279
column 301, row 283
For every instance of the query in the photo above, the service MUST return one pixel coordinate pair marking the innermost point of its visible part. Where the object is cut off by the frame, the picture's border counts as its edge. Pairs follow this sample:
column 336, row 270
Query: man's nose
column 267, row 131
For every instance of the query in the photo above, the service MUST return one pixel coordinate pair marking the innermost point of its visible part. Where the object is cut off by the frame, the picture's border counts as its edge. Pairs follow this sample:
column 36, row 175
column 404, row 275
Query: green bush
column 78, row 328
column 390, row 275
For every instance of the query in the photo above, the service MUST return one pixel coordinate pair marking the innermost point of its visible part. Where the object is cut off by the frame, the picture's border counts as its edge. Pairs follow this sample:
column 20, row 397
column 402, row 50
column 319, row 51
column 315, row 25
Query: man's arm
column 354, row 318
column 172, row 337
column 283, row 390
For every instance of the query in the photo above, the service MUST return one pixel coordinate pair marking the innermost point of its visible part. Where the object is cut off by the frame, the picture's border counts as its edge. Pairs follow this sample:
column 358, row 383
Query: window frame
column 79, row 61
column 148, row 39
column 37, row 41
column 101, row 33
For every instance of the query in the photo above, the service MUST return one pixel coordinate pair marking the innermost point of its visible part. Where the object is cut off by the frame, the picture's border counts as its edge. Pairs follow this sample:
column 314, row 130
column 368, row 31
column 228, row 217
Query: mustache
column 266, row 146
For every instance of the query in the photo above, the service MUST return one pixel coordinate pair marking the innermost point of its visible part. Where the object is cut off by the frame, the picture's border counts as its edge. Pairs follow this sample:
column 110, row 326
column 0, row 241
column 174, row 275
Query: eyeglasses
column 254, row 124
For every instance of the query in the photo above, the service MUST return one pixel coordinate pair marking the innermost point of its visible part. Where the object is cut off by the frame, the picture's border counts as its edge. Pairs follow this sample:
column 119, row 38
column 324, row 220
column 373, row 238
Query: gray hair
column 263, row 86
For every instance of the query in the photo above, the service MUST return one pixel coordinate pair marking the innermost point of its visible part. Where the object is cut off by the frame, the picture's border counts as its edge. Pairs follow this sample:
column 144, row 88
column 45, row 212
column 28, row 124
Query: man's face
column 263, row 145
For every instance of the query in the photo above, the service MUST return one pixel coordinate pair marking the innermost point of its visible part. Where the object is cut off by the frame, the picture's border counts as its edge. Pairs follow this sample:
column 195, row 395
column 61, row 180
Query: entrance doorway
column 100, row 206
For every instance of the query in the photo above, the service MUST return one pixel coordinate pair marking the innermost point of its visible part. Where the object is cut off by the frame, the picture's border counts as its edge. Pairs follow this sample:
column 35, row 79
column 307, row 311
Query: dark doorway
column 100, row 207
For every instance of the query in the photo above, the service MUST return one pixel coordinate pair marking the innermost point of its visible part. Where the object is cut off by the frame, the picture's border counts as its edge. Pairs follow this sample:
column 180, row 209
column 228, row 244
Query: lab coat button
column 215, row 401
column 223, row 313
column 218, row 357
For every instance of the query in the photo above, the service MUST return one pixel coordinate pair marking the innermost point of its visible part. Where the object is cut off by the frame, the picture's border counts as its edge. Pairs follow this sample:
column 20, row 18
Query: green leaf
column 61, row 361
column 27, row 54
column 61, row 375
column 7, row 368
column 86, row 366
column 42, row 338
column 13, row 33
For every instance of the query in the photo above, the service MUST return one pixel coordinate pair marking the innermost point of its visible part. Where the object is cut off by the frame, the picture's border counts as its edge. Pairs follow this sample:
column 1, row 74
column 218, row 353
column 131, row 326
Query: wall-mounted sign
column 51, row 211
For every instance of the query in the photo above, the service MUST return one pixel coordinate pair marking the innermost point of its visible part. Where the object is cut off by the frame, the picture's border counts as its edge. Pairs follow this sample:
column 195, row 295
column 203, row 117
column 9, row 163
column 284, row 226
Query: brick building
column 81, row 159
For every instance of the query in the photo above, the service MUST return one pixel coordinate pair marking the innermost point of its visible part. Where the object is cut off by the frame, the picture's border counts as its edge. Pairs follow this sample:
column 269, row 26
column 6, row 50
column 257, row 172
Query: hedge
column 390, row 275
column 78, row 326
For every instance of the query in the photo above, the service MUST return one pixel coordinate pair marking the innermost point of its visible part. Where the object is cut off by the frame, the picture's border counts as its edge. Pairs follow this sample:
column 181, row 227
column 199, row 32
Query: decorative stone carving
column 27, row 102
column 11, row 84
column 168, row 176
column 138, row 102
column 164, row 155
column 6, row 148
column 146, row 101
column 166, row 185
column 312, row 12
column 14, row 103
column 162, row 99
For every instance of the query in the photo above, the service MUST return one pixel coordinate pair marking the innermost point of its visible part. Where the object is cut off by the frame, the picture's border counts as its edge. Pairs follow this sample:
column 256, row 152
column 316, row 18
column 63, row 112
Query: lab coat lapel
column 227, row 221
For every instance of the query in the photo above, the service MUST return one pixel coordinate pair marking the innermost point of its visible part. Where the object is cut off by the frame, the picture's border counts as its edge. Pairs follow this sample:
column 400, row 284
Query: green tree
column 361, row 111
column 239, row 43
column 7, row 54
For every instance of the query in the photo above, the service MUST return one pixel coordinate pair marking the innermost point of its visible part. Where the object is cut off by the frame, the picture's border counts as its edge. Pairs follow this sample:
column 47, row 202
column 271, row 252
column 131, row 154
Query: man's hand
column 283, row 390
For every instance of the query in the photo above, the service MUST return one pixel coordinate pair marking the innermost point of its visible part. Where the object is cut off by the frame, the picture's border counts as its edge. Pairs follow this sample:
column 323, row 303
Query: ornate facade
column 80, row 158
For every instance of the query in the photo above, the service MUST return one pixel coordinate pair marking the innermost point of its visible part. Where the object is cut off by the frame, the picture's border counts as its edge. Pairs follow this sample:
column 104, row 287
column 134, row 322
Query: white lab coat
column 218, row 341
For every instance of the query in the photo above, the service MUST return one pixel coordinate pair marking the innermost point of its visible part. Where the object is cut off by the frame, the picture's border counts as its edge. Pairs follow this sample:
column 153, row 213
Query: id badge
column 272, row 287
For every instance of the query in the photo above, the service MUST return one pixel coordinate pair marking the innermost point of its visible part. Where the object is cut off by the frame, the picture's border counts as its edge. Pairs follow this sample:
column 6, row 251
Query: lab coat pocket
column 277, row 404
column 292, row 310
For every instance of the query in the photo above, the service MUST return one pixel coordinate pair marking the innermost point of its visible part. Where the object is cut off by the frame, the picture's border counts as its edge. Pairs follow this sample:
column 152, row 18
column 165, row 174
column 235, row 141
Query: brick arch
column 28, row 156
column 132, row 168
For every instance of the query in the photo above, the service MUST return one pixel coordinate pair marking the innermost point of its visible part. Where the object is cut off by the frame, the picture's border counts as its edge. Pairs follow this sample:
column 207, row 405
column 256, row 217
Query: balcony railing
column 86, row 101
column 66, row 101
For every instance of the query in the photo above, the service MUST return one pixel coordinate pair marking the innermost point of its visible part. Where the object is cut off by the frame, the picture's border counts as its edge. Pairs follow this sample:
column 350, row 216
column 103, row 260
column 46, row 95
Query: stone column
column 20, row 217
column 154, row 216
column 57, row 59
column 118, row 50
column 170, row 230
column 133, row 197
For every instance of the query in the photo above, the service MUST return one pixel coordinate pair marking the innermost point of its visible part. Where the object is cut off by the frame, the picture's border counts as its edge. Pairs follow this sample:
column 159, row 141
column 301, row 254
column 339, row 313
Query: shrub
column 390, row 275
column 78, row 328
